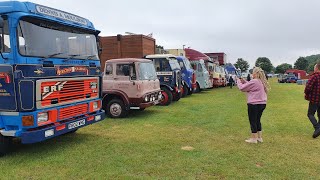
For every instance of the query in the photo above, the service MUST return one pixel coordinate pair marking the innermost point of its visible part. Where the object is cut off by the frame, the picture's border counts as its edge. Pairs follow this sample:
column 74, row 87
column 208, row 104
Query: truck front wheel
column 116, row 109
column 5, row 144
column 185, row 91
column 177, row 96
column 197, row 90
column 166, row 97
column 190, row 91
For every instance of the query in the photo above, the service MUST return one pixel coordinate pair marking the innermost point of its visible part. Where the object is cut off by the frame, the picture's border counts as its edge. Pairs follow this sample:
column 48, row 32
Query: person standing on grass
column 256, row 90
column 249, row 77
column 312, row 94
column 231, row 81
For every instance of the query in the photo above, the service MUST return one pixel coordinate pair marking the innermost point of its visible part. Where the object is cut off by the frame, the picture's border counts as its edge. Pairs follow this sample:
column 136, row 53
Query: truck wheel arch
column 107, row 96
column 166, row 86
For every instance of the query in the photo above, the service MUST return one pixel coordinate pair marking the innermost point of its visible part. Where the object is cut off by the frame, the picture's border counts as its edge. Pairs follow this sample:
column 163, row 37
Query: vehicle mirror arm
column 1, row 43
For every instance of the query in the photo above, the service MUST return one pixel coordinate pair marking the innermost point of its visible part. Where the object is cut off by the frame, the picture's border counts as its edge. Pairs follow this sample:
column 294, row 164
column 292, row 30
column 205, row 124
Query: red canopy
column 193, row 55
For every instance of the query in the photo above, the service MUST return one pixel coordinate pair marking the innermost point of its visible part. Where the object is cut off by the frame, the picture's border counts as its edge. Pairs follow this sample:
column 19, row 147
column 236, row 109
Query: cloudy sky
column 281, row 30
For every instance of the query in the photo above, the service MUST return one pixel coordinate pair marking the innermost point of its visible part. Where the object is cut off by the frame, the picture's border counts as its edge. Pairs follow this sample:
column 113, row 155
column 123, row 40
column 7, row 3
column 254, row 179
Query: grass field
column 199, row 137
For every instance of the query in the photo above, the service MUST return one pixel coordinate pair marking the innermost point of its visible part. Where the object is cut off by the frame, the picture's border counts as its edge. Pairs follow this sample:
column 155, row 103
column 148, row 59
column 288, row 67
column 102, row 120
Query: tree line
column 302, row 63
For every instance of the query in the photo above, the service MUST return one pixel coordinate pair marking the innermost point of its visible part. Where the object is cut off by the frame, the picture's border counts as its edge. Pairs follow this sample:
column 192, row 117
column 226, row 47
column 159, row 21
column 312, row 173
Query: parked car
column 129, row 84
column 282, row 78
column 291, row 78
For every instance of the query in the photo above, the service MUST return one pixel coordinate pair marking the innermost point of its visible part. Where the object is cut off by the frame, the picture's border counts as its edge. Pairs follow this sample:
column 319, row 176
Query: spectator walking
column 312, row 94
column 231, row 81
column 256, row 90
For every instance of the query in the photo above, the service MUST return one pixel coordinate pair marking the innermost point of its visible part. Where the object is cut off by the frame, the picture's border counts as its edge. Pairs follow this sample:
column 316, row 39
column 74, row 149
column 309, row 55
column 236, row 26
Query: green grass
column 147, row 145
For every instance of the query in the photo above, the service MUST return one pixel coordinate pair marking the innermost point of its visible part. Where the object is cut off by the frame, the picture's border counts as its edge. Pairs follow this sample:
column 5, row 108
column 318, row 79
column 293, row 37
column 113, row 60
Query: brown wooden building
column 126, row 46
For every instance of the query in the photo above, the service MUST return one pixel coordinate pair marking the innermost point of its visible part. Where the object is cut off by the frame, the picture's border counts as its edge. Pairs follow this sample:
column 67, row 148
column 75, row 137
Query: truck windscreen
column 147, row 71
column 174, row 64
column 40, row 38
column 187, row 64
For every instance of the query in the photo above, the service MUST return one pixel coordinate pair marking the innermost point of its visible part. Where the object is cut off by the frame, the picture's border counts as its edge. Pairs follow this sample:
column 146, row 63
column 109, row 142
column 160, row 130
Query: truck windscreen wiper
column 71, row 56
column 90, row 57
column 50, row 56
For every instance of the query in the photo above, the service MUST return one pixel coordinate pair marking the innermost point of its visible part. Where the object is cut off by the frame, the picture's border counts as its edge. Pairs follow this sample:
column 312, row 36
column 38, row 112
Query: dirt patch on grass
column 187, row 148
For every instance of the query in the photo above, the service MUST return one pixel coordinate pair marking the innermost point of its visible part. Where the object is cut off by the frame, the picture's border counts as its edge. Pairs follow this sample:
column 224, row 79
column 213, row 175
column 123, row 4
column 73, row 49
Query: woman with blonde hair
column 256, row 90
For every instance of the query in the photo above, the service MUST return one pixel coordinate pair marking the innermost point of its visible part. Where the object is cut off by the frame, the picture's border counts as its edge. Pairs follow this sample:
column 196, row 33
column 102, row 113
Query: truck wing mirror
column 1, row 31
column 1, row 22
column 181, row 64
column 133, row 77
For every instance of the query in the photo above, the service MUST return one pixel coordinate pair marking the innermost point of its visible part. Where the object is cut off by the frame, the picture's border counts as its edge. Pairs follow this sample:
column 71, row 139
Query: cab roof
column 44, row 11
column 129, row 60
column 160, row 56
column 192, row 55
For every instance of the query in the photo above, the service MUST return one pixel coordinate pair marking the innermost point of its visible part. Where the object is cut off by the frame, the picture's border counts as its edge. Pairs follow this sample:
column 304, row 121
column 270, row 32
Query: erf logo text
column 47, row 89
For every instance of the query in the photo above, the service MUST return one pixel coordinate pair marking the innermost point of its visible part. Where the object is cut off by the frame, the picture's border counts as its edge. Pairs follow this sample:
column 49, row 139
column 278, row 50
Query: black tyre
column 197, row 90
column 116, row 109
column 190, row 91
column 5, row 145
column 185, row 91
column 177, row 96
column 166, row 97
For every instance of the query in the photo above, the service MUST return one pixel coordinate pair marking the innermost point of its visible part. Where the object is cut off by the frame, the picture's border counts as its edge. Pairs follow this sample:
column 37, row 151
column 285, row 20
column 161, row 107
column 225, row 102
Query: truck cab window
column 199, row 68
column 125, row 70
column 109, row 69
column 6, row 35
column 157, row 64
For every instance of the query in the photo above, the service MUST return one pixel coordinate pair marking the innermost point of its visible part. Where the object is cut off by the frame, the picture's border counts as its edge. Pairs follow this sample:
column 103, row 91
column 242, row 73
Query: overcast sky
column 281, row 30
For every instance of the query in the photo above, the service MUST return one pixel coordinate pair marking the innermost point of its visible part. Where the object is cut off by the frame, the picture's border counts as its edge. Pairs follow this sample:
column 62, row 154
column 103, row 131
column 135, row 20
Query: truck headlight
column 93, row 85
column 42, row 117
column 95, row 105
column 146, row 99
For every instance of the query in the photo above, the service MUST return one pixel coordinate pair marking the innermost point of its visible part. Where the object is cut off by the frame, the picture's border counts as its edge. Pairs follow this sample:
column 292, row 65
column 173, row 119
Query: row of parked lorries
column 51, row 81
column 135, row 84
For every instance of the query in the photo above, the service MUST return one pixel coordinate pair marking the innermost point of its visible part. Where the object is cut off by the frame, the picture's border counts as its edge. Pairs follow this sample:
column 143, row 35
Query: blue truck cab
column 169, row 73
column 50, row 80
column 187, row 74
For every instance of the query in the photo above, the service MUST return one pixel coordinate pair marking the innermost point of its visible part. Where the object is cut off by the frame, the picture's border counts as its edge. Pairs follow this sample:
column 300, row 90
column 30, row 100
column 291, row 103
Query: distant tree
column 313, row 58
column 241, row 64
column 283, row 67
column 159, row 46
column 301, row 63
column 310, row 67
column 265, row 64
column 250, row 71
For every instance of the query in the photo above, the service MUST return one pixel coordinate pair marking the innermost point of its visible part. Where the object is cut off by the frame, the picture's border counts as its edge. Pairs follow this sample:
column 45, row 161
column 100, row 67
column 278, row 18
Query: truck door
column 200, row 75
column 108, row 77
column 125, row 78
column 8, row 101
